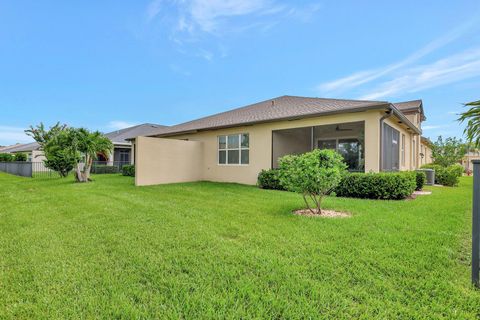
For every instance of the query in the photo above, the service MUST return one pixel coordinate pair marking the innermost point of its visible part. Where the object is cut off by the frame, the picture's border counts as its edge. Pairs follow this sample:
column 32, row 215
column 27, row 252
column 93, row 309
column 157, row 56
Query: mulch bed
column 325, row 213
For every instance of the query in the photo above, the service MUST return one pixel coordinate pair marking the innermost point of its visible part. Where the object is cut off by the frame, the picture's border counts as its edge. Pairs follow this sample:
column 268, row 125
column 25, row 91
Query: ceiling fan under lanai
column 340, row 129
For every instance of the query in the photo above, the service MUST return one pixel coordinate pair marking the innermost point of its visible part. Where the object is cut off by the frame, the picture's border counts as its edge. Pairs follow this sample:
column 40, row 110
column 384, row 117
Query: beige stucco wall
column 427, row 151
column 159, row 161
column 261, row 145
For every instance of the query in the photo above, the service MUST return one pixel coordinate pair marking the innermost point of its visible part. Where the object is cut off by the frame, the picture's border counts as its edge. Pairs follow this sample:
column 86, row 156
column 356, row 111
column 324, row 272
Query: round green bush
column 269, row 179
column 21, row 157
column 128, row 170
column 420, row 179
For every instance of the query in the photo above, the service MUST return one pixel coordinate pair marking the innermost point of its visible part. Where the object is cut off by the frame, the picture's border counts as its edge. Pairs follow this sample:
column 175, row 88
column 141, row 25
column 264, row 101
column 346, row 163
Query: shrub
column 21, row 157
column 388, row 186
column 447, row 176
column 313, row 174
column 269, row 179
column 103, row 169
column 6, row 157
column 421, row 178
column 128, row 170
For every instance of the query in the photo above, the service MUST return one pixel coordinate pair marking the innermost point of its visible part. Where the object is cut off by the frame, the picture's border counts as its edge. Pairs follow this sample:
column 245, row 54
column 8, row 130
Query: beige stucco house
column 234, row 146
column 468, row 158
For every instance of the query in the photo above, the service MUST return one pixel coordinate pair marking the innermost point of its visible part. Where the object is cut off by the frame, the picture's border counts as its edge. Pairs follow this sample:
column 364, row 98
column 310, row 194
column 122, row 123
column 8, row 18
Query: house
column 234, row 146
column 425, row 151
column 32, row 150
column 121, row 152
column 468, row 158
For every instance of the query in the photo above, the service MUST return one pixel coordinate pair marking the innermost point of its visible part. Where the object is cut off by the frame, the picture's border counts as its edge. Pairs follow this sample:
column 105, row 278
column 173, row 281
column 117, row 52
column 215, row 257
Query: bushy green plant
column 448, row 152
column 447, row 176
column 313, row 174
column 387, row 186
column 21, row 156
column 420, row 179
column 128, row 170
column 58, row 146
column 6, row 157
column 269, row 179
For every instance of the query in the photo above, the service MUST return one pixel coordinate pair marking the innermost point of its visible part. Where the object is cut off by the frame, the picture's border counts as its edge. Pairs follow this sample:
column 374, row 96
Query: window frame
column 337, row 143
column 402, row 150
column 239, row 149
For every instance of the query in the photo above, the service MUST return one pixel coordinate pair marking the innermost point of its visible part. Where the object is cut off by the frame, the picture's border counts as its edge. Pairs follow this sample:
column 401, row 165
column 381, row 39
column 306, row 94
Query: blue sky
column 110, row 64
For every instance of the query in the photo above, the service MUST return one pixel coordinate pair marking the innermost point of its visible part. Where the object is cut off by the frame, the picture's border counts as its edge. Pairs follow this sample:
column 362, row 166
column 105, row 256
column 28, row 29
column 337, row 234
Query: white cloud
column 118, row 124
column 441, row 72
column 11, row 135
column 363, row 77
column 153, row 9
column 216, row 16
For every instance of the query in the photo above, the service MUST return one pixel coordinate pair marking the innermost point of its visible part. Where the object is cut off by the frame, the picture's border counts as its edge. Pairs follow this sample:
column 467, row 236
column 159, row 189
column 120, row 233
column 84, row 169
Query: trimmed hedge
column 269, row 179
column 103, row 169
column 421, row 178
column 447, row 176
column 387, row 186
column 128, row 170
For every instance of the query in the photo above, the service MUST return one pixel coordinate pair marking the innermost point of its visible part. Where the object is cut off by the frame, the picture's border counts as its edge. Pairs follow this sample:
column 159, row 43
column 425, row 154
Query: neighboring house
column 467, row 159
column 234, row 146
column 122, row 152
column 31, row 149
column 425, row 151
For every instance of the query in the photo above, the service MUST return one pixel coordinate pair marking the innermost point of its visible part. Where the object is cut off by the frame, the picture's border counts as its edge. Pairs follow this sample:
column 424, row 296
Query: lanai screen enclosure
column 346, row 138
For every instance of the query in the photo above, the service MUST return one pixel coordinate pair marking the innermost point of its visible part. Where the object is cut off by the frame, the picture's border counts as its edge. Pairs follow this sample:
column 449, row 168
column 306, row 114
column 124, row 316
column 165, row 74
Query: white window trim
column 402, row 150
column 240, row 148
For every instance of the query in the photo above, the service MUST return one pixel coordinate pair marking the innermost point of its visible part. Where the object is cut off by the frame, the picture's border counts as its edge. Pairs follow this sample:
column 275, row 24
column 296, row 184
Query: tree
column 472, row 117
column 313, row 174
column 21, row 156
column 64, row 147
column 89, row 144
column 57, row 146
column 449, row 151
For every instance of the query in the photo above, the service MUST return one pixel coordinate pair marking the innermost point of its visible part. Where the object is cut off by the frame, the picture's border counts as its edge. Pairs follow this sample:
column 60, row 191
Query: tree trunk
column 83, row 175
column 308, row 206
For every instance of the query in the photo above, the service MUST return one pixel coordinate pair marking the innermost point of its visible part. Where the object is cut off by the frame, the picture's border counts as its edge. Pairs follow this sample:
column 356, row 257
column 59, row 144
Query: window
column 350, row 148
column 414, row 153
column 234, row 149
column 390, row 148
column 403, row 150
column 124, row 156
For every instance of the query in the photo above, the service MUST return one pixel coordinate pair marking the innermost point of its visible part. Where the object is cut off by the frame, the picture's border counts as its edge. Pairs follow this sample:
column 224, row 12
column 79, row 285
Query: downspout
column 382, row 119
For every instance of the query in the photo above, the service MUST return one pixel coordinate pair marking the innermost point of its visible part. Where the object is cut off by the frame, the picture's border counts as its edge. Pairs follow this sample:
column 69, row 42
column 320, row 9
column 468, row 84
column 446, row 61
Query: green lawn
column 209, row 250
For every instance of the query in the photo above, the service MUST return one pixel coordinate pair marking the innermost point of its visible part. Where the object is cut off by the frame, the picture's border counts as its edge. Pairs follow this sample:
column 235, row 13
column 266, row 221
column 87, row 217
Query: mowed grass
column 205, row 250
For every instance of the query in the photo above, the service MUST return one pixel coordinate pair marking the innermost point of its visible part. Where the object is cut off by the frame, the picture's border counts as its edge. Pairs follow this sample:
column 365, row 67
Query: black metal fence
column 38, row 169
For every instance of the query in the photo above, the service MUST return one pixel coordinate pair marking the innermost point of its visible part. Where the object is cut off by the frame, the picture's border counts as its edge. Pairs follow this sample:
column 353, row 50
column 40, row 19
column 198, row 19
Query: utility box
column 430, row 174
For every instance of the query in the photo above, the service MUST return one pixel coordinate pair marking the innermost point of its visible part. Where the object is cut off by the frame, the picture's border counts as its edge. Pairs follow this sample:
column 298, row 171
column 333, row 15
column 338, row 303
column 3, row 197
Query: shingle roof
column 121, row 136
column 414, row 105
column 26, row 147
column 280, row 108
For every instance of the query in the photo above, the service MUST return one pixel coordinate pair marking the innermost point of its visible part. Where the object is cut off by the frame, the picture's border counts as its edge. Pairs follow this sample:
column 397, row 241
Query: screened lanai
column 345, row 138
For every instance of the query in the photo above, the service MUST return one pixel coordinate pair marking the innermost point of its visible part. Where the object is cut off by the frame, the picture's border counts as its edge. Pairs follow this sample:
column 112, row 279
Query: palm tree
column 472, row 117
column 90, row 144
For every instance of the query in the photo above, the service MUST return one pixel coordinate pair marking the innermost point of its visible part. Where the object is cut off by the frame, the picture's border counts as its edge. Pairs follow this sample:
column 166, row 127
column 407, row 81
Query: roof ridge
column 337, row 99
